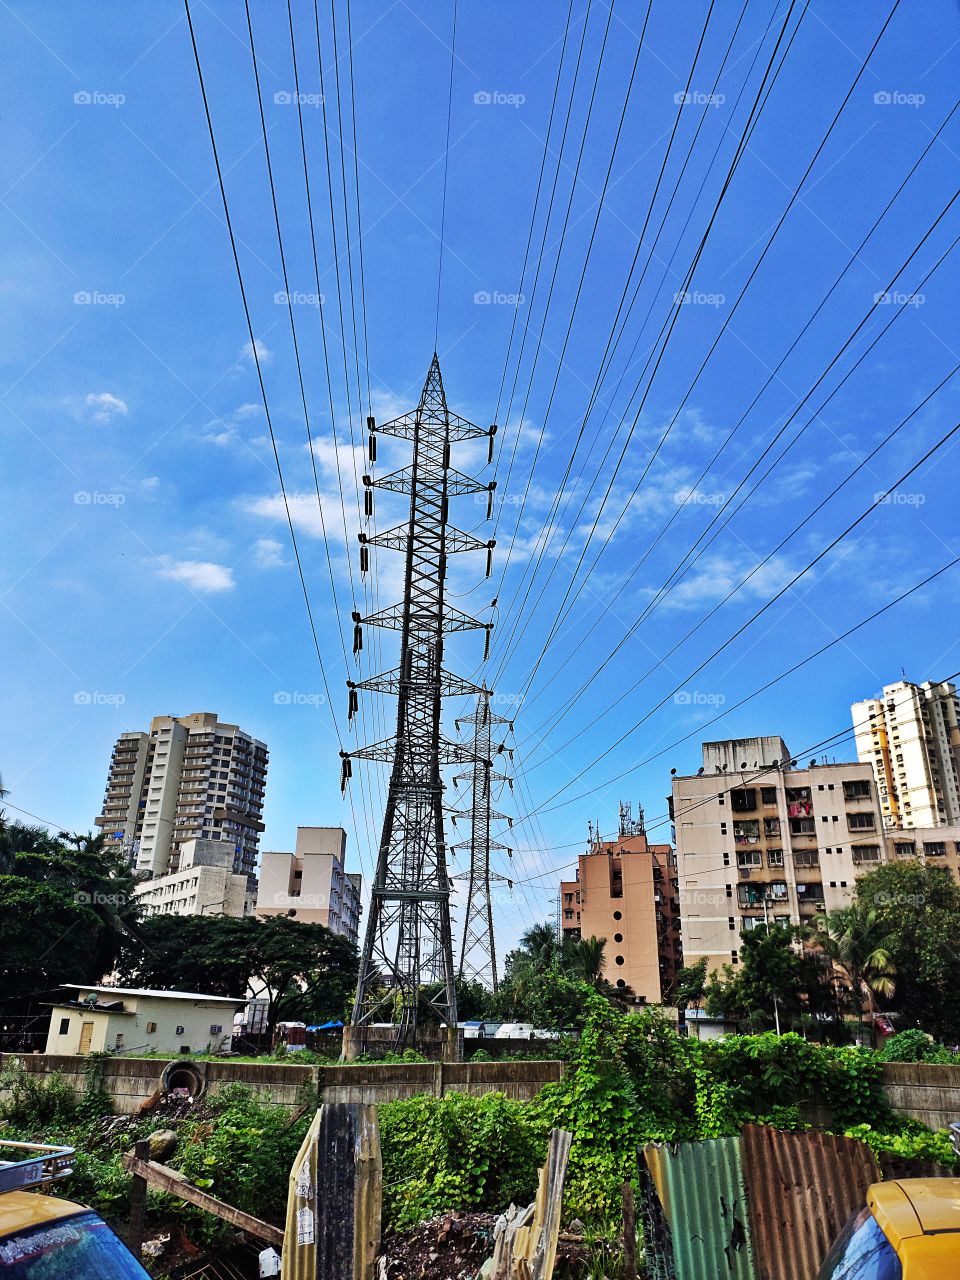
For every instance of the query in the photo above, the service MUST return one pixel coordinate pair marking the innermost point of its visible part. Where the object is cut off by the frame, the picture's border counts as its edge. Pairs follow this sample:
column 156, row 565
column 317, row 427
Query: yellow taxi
column 45, row 1238
column 908, row 1230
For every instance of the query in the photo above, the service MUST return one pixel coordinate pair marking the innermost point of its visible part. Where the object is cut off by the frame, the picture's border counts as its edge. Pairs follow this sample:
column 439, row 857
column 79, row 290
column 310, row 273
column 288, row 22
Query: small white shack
column 127, row 1020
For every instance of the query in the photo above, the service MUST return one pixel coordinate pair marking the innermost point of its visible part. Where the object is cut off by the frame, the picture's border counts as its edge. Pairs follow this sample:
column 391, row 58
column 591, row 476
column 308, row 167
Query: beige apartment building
column 188, row 778
column 761, row 837
column 626, row 892
column 311, row 884
column 204, row 884
column 911, row 738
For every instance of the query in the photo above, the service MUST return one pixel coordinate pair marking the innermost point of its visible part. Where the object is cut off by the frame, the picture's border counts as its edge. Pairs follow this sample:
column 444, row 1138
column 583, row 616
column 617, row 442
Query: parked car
column 45, row 1238
column 907, row 1230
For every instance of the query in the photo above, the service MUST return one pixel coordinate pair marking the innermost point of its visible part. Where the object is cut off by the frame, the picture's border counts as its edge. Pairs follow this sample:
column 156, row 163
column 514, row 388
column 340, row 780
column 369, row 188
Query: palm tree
column 856, row 946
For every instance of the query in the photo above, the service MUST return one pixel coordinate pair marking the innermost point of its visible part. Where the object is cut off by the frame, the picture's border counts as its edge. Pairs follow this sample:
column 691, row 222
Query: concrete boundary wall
column 926, row 1091
column 131, row 1081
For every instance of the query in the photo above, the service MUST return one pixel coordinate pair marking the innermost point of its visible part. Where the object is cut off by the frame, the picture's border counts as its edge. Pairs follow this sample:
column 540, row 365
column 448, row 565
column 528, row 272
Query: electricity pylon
column 408, row 942
column 478, row 953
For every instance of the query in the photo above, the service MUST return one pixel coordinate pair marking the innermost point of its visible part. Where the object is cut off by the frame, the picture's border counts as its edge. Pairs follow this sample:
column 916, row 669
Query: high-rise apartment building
column 311, row 884
column 760, row 837
column 911, row 738
column 188, row 778
column 626, row 892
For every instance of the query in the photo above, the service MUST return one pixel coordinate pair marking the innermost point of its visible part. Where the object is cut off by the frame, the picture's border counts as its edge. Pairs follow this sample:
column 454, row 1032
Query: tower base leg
column 352, row 1043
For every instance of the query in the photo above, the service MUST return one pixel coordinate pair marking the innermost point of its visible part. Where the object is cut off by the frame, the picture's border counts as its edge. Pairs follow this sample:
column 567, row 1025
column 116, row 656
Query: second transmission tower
column 478, row 953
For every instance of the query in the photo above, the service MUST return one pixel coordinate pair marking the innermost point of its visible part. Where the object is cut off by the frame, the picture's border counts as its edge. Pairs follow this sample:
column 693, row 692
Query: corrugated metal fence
column 766, row 1205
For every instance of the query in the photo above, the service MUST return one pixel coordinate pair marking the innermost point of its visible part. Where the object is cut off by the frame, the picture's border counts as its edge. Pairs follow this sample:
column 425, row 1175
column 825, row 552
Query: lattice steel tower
column 408, row 942
column 478, row 954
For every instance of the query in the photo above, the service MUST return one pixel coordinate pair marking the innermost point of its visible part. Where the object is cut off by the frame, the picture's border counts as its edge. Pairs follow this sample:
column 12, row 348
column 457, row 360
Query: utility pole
column 408, row 943
column 478, row 956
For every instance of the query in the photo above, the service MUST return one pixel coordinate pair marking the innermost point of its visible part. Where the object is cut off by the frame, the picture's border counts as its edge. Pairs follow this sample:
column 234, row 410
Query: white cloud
column 268, row 553
column 198, row 575
column 263, row 352
column 103, row 407
column 304, row 511
column 247, row 410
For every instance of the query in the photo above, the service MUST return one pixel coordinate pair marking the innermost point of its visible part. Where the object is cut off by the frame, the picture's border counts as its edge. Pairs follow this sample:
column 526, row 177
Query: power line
column 763, row 688
column 673, row 581
column 656, row 451
column 854, row 257
column 670, row 818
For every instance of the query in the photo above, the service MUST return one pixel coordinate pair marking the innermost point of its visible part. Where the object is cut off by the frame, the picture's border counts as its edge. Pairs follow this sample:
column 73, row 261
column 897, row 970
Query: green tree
column 306, row 972
column 855, row 943
column 916, row 909
column 776, row 980
column 690, row 987
column 66, row 908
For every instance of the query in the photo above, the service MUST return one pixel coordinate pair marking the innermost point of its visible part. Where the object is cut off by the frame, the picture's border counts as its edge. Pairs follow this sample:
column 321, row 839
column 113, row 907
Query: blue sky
column 148, row 566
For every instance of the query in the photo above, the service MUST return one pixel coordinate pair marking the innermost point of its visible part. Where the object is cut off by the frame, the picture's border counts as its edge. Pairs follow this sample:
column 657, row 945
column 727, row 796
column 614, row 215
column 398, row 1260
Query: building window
column 747, row 858
column 904, row 848
column 216, row 1029
column 934, row 848
column 768, row 795
column 151, row 1028
column 64, row 1026
column 802, row 826
column 178, row 1031
column 771, row 826
column 861, row 821
column 744, row 800
column 865, row 852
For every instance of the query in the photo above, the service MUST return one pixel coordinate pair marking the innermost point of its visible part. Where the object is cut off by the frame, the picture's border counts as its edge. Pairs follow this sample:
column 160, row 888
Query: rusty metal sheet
column 333, row 1206
column 801, row 1189
column 700, row 1187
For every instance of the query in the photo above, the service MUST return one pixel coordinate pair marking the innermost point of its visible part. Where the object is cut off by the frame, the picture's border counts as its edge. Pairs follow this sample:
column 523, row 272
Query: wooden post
column 138, row 1202
column 629, row 1234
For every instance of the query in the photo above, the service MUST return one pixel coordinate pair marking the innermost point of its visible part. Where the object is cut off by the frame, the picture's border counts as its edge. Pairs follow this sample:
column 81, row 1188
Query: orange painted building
column 626, row 892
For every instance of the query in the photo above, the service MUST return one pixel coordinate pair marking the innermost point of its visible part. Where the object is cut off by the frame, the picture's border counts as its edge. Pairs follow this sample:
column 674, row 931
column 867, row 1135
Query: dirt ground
column 453, row 1246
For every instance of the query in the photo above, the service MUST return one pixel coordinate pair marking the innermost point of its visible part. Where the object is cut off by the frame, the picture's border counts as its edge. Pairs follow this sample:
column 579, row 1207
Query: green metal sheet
column 700, row 1187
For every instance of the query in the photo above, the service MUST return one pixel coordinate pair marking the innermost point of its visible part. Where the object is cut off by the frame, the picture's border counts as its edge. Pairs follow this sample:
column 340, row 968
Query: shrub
column 914, row 1045
column 242, row 1155
column 457, row 1151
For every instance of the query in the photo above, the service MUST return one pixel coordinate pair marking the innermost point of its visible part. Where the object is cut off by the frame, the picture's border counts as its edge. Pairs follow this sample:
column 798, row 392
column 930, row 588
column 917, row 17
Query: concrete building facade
column 123, row 1019
column 760, row 837
column 911, row 738
column 204, row 884
column 626, row 892
column 312, row 883
column 188, row 778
